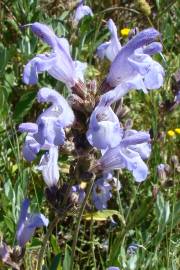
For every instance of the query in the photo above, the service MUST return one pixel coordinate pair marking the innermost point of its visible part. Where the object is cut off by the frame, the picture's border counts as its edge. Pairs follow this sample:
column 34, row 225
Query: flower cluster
column 132, row 67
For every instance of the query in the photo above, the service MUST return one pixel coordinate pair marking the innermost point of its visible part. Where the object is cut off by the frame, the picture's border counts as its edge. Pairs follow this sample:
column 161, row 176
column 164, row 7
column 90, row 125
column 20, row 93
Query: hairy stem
column 81, row 211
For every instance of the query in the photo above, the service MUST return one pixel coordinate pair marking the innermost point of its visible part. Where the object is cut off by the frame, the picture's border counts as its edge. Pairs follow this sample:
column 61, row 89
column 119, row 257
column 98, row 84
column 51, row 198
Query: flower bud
column 175, row 161
column 161, row 172
column 144, row 7
column 76, row 102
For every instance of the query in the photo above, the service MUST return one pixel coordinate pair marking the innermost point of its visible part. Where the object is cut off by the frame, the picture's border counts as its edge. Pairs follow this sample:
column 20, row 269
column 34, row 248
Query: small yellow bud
column 177, row 130
column 171, row 133
column 144, row 7
column 125, row 32
column 83, row 185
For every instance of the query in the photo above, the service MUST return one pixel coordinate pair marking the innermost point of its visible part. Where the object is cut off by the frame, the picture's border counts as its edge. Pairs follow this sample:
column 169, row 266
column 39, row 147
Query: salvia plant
column 86, row 125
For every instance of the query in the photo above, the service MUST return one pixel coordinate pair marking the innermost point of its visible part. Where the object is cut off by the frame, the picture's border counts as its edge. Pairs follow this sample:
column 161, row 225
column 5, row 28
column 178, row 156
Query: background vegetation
column 151, row 211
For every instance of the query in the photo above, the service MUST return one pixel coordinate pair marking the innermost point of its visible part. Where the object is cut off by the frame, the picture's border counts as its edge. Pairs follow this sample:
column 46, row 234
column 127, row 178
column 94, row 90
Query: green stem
column 81, row 211
column 119, row 198
column 45, row 240
column 92, row 242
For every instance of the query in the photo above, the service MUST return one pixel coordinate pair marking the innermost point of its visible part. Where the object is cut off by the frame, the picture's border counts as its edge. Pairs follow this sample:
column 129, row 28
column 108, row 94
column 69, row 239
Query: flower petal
column 111, row 48
column 61, row 108
column 46, row 94
column 101, row 194
column 153, row 48
column 137, row 138
column 28, row 127
column 121, row 69
column 117, row 93
column 45, row 33
column 82, row 11
column 31, row 148
column 38, row 64
column 35, row 221
column 49, row 167
column 135, row 164
column 80, row 69
column 22, row 219
column 104, row 125
column 155, row 76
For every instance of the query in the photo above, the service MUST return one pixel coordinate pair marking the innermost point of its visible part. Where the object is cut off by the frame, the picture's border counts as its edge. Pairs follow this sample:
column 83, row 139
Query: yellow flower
column 125, row 32
column 171, row 133
column 177, row 130
column 83, row 185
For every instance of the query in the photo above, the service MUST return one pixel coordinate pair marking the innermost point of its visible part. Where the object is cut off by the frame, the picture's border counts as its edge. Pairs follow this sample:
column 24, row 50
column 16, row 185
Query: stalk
column 79, row 218
column 45, row 240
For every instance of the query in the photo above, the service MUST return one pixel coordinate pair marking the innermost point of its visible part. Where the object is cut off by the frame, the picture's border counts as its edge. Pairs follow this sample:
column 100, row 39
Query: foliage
column 148, row 214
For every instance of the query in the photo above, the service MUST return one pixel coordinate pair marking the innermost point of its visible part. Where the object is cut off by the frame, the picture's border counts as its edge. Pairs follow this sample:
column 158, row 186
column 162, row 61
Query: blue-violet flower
column 110, row 48
column 81, row 11
column 126, row 156
column 28, row 223
column 58, row 63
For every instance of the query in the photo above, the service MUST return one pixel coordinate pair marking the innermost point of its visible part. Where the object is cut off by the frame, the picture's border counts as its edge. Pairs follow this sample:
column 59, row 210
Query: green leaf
column 54, row 243
column 56, row 263
column 35, row 243
column 9, row 191
column 162, row 209
column 175, row 216
column 4, row 57
column 67, row 258
column 24, row 105
column 64, row 15
column 158, row 4
column 166, row 212
column 103, row 215
column 9, row 223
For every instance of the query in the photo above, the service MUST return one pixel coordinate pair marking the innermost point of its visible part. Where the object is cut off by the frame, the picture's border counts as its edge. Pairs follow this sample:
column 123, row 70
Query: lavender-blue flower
column 28, row 223
column 110, row 48
column 49, row 167
column 49, row 127
column 123, row 156
column 58, row 63
column 82, row 11
column 101, row 193
column 103, row 126
column 134, row 68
